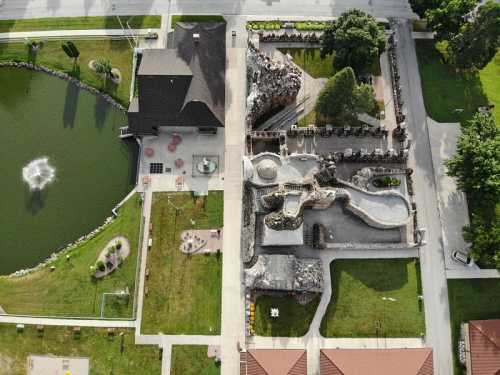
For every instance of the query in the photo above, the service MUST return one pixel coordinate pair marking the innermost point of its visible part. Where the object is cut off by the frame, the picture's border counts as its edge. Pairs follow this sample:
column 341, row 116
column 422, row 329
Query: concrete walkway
column 71, row 322
column 467, row 273
column 75, row 34
column 435, row 289
column 233, row 305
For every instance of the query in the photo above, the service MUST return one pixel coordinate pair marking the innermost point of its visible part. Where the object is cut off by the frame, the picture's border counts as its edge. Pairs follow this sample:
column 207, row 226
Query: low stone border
column 64, row 76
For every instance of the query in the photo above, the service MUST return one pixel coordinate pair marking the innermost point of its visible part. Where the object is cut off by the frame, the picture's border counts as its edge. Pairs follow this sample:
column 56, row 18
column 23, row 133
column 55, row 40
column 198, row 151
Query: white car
column 463, row 258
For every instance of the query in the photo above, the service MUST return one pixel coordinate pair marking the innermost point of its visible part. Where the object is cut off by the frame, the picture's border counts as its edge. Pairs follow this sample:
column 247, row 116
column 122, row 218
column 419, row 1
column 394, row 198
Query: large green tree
column 477, row 44
column 484, row 234
column 341, row 98
column 422, row 6
column 476, row 165
column 355, row 39
column 448, row 18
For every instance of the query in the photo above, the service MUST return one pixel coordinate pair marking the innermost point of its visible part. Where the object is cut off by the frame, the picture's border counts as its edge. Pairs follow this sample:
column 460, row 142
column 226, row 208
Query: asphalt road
column 12, row 9
column 435, row 289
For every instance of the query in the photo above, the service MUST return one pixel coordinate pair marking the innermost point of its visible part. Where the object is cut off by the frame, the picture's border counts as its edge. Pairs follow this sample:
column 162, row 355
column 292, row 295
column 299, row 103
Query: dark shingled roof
column 183, row 85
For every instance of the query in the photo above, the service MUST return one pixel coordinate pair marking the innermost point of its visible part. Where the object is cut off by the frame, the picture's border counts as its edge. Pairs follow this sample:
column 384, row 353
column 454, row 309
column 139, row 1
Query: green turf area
column 294, row 319
column 196, row 18
column 308, row 119
column 79, row 23
column 358, row 308
column 471, row 299
column 94, row 343
column 309, row 59
column 192, row 360
column 52, row 56
column 69, row 290
column 446, row 90
column 184, row 291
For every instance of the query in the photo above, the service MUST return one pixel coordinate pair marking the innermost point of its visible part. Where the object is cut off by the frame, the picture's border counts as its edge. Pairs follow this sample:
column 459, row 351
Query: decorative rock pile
column 364, row 175
column 308, row 275
column 272, row 84
column 339, row 131
column 290, row 38
column 396, row 87
column 66, row 77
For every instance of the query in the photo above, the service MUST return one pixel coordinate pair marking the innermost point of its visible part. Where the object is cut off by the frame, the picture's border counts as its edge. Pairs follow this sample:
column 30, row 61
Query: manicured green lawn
column 471, row 299
column 196, row 18
column 359, row 304
column 309, row 59
column 192, row 360
column 69, row 290
column 294, row 318
column 79, row 23
column 184, row 291
column 308, row 119
column 446, row 90
column 102, row 351
column 52, row 56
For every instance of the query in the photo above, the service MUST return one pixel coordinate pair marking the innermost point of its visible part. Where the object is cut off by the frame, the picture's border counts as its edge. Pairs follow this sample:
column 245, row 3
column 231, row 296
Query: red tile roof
column 273, row 362
column 376, row 362
column 484, row 342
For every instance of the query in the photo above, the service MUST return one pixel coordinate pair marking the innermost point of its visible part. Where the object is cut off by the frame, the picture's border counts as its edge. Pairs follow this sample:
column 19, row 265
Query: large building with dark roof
column 184, row 84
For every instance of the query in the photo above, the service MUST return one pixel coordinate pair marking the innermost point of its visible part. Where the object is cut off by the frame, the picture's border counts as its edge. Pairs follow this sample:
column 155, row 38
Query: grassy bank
column 69, row 290
column 373, row 298
column 79, row 23
column 309, row 59
column 195, row 18
column 471, row 299
column 52, row 56
column 103, row 351
column 294, row 319
column 192, row 360
column 184, row 291
column 446, row 90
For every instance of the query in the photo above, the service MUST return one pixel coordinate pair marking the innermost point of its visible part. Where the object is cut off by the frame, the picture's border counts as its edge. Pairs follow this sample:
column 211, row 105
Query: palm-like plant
column 103, row 67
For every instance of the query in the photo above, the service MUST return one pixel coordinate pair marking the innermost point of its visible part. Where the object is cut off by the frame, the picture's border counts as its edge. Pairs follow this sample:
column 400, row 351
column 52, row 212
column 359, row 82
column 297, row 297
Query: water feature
column 38, row 173
column 43, row 117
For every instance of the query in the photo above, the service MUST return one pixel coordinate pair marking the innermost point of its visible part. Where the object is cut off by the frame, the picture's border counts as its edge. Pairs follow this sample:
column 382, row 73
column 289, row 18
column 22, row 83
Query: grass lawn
column 471, row 299
column 184, row 291
column 69, row 290
column 103, row 351
column 357, row 304
column 294, row 318
column 309, row 59
column 52, row 56
column 78, row 23
column 192, row 360
column 196, row 18
column 308, row 119
column 445, row 90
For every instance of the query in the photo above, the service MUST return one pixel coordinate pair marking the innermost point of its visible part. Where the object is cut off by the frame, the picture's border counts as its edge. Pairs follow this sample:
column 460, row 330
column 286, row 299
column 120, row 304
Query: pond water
column 44, row 116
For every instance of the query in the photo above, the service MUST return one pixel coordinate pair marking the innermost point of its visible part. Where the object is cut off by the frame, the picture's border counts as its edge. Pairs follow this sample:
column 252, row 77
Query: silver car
column 463, row 258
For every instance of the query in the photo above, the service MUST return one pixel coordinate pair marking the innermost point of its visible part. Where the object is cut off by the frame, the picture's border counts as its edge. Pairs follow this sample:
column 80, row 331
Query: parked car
column 463, row 258
column 150, row 35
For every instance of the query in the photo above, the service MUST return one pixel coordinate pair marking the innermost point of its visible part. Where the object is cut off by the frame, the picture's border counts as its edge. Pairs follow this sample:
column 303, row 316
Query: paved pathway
column 435, row 289
column 271, row 8
column 71, row 322
column 467, row 273
column 61, row 34
column 233, row 307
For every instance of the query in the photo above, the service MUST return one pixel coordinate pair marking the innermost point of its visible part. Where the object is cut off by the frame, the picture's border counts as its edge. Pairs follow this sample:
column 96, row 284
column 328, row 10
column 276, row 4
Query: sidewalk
column 61, row 34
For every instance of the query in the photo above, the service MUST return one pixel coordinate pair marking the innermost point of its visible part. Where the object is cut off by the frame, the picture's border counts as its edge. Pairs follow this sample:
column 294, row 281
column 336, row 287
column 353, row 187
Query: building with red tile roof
column 376, row 362
column 273, row 362
column 482, row 347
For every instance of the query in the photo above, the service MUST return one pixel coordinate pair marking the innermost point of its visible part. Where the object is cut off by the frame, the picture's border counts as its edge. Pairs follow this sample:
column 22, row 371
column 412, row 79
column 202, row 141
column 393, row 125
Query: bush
column 118, row 245
column 100, row 265
column 386, row 181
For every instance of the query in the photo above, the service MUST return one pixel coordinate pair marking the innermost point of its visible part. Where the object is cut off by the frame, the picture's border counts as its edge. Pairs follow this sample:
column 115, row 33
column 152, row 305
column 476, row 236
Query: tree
column 355, row 39
column 484, row 235
column 103, row 67
column 421, row 6
column 71, row 51
column 476, row 165
column 449, row 17
column 342, row 98
column 479, row 41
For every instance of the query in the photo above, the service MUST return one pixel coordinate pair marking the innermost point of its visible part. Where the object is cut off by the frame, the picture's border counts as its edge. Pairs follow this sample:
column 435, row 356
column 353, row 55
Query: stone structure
column 271, row 84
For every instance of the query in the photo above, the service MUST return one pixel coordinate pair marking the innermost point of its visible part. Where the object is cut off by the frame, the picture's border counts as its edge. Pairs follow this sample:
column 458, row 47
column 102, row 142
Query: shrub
column 118, row 245
column 386, row 181
column 100, row 265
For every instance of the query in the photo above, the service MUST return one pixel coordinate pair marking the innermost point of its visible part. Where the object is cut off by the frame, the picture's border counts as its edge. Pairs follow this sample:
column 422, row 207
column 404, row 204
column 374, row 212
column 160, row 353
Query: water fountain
column 38, row 173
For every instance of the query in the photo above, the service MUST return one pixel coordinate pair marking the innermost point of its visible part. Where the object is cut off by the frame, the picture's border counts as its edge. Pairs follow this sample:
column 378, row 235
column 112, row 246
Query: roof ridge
column 484, row 334
column 322, row 352
column 425, row 360
column 297, row 361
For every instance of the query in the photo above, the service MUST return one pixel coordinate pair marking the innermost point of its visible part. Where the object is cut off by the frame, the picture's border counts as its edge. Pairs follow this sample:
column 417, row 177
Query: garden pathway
column 75, row 34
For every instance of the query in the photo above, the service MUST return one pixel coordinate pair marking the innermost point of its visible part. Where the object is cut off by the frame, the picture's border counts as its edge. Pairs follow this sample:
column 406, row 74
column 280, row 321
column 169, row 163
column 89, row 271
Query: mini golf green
column 44, row 116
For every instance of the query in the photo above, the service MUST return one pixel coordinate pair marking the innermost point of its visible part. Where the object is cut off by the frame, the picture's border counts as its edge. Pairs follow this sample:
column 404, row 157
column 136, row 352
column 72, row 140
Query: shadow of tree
column 101, row 109
column 70, row 105
column 35, row 201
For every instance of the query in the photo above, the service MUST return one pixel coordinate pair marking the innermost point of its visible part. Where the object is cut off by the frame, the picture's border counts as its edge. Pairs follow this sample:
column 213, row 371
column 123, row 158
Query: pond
column 45, row 117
